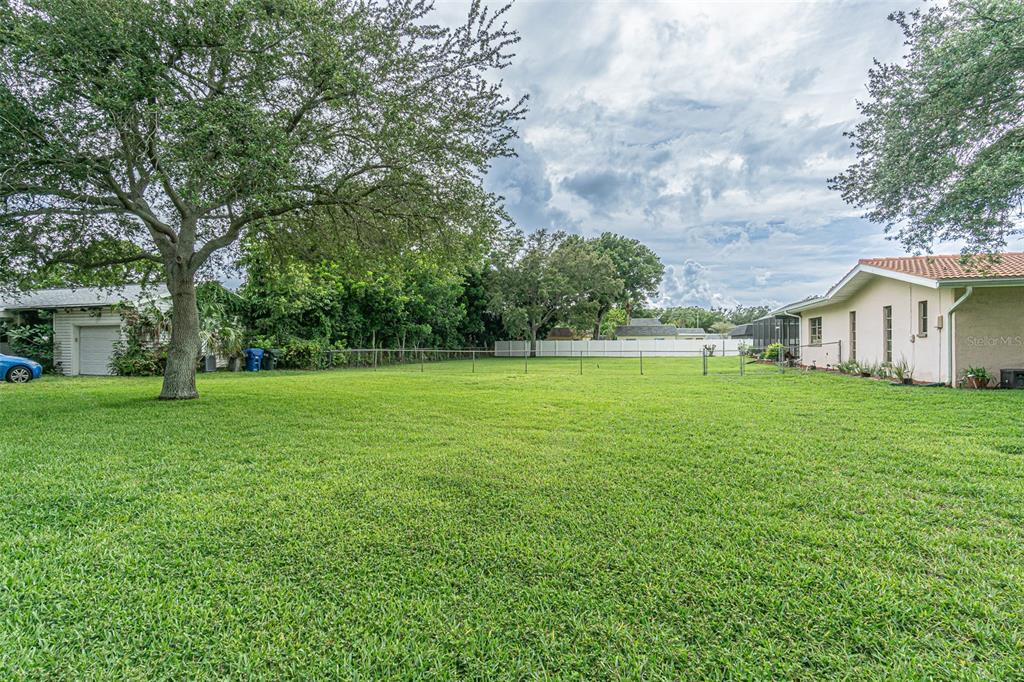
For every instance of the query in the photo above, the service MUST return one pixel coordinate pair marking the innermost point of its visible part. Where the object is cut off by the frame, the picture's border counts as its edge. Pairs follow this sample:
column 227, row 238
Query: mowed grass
column 446, row 524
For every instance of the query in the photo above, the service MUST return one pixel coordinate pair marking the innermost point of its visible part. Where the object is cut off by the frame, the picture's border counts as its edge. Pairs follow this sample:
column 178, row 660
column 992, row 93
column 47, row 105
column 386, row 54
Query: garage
column 95, row 346
column 86, row 321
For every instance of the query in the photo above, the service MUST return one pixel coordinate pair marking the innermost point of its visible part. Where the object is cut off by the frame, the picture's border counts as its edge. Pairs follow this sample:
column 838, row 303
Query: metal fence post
column 474, row 362
column 704, row 359
column 422, row 361
column 743, row 365
column 526, row 360
column 581, row 363
column 641, row 363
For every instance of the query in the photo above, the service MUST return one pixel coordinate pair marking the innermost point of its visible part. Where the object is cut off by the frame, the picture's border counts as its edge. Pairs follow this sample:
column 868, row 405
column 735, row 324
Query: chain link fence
column 487, row 361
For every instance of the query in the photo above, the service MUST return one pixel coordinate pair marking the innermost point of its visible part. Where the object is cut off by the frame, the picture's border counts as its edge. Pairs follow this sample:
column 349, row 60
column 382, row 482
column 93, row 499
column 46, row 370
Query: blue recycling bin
column 253, row 359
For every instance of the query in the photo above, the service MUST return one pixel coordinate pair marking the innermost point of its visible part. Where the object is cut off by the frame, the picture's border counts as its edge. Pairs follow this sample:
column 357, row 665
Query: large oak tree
column 151, row 136
column 550, row 277
column 639, row 269
column 940, row 151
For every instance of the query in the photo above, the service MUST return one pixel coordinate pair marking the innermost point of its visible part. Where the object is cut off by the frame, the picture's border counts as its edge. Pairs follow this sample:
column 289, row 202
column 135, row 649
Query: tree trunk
column 597, row 327
column 183, row 351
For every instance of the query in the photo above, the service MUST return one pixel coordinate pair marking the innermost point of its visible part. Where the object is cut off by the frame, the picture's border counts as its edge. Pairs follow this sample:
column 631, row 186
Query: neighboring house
column 936, row 313
column 742, row 332
column 694, row 333
column 647, row 328
column 85, row 324
column 644, row 328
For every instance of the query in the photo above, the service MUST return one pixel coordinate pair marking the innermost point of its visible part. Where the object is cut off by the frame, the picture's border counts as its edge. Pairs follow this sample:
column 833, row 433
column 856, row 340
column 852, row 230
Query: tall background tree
column 147, row 137
column 550, row 277
column 940, row 152
column 636, row 266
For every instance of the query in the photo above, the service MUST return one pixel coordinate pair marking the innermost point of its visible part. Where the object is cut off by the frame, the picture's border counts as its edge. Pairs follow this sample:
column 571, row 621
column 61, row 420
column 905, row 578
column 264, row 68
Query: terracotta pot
column 976, row 383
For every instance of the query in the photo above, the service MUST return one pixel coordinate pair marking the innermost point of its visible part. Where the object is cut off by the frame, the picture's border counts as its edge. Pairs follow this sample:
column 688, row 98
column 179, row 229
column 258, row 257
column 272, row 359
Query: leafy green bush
column 304, row 354
column 133, row 359
column 33, row 341
column 849, row 367
column 144, row 350
column 772, row 352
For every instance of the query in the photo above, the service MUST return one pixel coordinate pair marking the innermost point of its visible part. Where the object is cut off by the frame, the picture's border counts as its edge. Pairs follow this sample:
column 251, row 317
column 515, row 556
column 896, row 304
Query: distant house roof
column 646, row 330
column 690, row 331
column 560, row 333
column 741, row 330
column 645, row 322
column 83, row 297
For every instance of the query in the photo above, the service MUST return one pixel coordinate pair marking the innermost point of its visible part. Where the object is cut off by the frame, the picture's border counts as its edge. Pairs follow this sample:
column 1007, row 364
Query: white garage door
column 95, row 344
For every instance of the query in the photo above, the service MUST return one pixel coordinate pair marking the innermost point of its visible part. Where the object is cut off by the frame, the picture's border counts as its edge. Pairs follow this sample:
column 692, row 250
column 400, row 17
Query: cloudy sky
column 705, row 129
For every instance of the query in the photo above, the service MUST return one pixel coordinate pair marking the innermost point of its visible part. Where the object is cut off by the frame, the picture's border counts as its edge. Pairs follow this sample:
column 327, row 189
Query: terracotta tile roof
column 952, row 267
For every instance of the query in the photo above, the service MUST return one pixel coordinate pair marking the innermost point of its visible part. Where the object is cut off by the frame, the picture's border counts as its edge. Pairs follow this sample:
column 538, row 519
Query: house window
column 887, row 332
column 922, row 318
column 815, row 334
column 853, row 334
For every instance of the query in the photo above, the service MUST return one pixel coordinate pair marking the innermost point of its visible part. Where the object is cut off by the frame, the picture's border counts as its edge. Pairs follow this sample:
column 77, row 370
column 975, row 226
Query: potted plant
column 977, row 377
column 883, row 370
column 866, row 370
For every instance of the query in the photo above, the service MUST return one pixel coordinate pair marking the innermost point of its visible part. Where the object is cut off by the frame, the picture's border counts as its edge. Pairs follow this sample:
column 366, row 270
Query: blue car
column 19, row 370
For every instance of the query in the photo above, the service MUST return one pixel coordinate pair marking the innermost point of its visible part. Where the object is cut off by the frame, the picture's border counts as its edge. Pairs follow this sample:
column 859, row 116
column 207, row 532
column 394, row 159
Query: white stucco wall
column 65, row 334
column 928, row 354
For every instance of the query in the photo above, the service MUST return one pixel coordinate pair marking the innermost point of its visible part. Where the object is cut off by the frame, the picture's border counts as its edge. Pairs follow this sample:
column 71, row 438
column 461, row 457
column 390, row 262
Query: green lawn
column 448, row 524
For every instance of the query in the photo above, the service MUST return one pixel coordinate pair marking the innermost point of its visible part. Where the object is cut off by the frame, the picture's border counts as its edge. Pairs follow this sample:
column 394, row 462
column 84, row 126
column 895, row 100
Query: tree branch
column 69, row 259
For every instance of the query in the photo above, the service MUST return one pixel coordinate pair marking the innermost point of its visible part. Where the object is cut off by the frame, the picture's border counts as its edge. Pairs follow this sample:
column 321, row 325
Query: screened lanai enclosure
column 781, row 328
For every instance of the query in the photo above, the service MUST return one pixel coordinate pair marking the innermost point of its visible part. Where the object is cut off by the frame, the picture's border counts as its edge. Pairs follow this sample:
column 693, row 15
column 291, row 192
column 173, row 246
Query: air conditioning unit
column 1011, row 378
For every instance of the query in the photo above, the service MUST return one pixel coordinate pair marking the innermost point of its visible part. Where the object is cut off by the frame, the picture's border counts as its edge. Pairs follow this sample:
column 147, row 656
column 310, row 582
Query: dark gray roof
column 741, row 330
column 690, row 330
column 83, row 297
column 560, row 333
column 644, row 322
column 646, row 330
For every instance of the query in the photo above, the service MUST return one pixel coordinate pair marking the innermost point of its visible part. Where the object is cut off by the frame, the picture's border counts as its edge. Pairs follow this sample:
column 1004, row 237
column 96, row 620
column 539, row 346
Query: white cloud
column 707, row 130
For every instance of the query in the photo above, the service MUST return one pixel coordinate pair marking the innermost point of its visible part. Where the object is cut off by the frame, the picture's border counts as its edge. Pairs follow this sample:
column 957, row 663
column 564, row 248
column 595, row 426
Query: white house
column 936, row 313
column 85, row 323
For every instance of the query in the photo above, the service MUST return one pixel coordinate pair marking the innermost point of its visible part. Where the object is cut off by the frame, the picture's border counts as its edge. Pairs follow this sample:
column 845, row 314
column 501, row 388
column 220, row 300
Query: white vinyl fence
column 617, row 349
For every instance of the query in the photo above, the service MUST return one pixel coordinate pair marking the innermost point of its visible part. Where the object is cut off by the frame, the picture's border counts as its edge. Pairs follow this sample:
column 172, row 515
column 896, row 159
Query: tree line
column 520, row 290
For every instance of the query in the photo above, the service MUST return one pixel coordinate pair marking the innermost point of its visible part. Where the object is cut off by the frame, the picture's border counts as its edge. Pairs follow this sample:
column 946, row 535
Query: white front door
column 95, row 346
